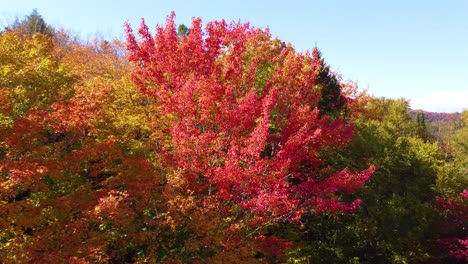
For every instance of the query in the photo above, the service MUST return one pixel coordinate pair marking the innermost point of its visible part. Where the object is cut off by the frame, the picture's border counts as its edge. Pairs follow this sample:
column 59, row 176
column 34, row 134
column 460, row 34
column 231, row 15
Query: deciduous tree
column 70, row 189
column 247, row 130
column 395, row 221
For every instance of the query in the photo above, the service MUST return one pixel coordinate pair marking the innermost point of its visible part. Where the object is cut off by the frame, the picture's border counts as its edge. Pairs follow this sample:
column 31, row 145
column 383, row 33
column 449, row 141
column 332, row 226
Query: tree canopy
column 213, row 144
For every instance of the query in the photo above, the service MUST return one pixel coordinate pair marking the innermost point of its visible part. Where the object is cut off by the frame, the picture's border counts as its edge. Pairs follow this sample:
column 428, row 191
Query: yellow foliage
column 31, row 72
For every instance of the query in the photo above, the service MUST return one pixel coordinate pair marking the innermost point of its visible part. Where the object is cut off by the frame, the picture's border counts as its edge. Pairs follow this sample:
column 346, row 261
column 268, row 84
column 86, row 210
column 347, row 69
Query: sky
column 415, row 49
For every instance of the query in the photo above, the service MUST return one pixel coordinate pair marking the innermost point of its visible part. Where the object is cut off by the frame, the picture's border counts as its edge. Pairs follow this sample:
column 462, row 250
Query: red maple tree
column 243, row 118
column 453, row 213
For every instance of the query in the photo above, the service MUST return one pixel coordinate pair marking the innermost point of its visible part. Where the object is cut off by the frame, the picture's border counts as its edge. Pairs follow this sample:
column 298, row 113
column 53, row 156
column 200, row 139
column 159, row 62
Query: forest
column 215, row 143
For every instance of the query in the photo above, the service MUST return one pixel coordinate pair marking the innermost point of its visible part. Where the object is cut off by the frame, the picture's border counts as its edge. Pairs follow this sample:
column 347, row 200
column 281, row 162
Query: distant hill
column 439, row 125
column 433, row 116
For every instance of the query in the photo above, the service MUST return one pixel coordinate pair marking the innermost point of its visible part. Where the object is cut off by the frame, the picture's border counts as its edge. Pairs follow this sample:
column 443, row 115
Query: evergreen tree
column 33, row 23
column 421, row 126
column 182, row 30
column 331, row 100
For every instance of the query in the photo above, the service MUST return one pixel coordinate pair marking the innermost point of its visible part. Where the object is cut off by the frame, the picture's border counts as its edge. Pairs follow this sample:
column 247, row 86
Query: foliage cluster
column 215, row 145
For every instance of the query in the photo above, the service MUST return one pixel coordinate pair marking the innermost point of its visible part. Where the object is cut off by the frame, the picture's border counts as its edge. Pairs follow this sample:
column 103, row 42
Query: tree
column 331, row 101
column 33, row 23
column 452, row 205
column 247, row 135
column 32, row 73
column 74, row 187
column 182, row 30
column 421, row 125
column 453, row 176
column 452, row 221
column 395, row 221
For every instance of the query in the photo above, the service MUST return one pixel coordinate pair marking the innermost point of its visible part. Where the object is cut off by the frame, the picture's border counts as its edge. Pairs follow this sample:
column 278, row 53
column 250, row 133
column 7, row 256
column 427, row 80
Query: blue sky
column 414, row 49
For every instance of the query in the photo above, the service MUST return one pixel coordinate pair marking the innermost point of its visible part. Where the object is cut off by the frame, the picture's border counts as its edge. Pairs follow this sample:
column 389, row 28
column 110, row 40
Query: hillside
column 439, row 125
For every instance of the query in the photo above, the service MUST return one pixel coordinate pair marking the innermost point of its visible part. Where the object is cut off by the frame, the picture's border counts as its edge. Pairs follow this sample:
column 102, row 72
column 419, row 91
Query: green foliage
column 421, row 126
column 331, row 100
column 453, row 176
column 182, row 30
column 394, row 222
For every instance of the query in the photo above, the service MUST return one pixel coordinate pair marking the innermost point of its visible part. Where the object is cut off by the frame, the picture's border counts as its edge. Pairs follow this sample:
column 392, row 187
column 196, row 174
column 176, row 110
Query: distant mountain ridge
column 440, row 126
column 436, row 116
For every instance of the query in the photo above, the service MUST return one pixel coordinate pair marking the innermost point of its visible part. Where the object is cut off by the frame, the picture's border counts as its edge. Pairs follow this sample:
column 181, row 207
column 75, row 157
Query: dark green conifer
column 331, row 101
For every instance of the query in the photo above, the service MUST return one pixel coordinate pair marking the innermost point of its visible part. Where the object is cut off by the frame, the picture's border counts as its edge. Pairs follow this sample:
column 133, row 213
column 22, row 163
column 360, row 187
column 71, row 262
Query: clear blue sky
column 416, row 49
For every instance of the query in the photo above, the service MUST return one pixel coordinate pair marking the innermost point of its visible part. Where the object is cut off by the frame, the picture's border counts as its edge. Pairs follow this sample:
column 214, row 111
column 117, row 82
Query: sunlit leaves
column 65, row 181
column 31, row 74
column 244, row 122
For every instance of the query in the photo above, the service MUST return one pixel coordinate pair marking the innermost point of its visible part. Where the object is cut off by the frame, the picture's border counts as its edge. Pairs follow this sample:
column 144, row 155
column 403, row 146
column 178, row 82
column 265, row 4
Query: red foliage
column 273, row 246
column 244, row 118
column 454, row 220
